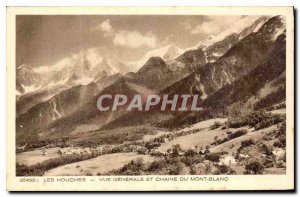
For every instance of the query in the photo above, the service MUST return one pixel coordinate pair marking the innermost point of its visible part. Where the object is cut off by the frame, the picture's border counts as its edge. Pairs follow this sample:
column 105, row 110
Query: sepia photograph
column 162, row 95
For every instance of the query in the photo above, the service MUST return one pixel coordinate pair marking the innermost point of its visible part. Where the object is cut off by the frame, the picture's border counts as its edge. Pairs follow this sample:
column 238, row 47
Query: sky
column 51, row 40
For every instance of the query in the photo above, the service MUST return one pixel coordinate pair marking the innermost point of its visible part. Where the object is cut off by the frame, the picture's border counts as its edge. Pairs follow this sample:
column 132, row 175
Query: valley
column 241, row 127
column 201, row 141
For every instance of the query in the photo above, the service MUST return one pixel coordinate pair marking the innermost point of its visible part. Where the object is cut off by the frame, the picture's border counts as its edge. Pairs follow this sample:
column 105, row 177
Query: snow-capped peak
column 75, row 69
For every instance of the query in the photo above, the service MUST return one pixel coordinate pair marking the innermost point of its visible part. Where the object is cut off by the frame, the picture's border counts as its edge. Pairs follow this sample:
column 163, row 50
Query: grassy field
column 115, row 136
column 204, row 124
column 33, row 157
column 81, row 129
column 234, row 144
column 101, row 164
column 206, row 135
column 200, row 139
column 279, row 111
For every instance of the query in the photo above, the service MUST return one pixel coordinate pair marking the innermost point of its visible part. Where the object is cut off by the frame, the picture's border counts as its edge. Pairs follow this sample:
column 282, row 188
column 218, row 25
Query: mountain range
column 237, row 68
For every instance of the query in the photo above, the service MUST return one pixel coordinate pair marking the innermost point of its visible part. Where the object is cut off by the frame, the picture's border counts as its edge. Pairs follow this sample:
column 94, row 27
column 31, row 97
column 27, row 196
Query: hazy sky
column 45, row 40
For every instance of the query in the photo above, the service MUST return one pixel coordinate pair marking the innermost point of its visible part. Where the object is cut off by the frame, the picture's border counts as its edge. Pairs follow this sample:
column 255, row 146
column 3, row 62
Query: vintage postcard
column 150, row 99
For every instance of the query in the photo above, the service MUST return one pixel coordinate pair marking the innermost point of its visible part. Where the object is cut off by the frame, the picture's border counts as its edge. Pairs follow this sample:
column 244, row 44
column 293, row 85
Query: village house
column 227, row 160
column 69, row 151
column 64, row 152
column 243, row 158
column 279, row 153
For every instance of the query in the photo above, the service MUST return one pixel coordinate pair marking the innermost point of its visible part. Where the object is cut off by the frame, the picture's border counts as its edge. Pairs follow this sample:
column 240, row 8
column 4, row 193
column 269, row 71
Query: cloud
column 167, row 40
column 125, row 38
column 212, row 25
column 106, row 28
column 134, row 39
column 206, row 28
column 215, row 25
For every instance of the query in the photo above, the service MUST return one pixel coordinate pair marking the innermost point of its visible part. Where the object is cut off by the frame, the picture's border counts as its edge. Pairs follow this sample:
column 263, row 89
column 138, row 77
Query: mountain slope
column 216, row 50
column 211, row 49
column 241, row 60
column 250, row 84
column 64, row 111
column 155, row 74
column 29, row 100
column 44, row 112
column 238, row 61
column 248, row 90
column 167, row 53
column 189, row 60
